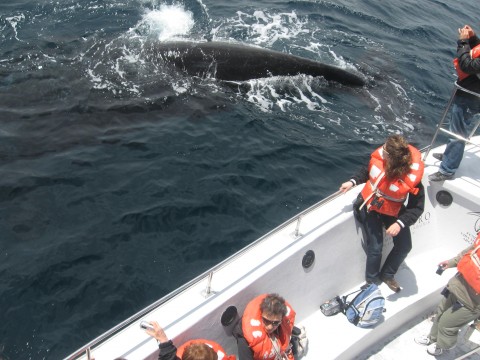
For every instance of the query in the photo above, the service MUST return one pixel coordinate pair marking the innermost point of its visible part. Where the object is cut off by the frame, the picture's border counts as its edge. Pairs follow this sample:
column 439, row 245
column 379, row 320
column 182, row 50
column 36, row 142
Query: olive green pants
column 449, row 319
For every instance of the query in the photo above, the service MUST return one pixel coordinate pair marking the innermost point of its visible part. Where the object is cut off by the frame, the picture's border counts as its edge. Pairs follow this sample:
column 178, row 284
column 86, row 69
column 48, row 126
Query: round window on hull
column 444, row 198
column 308, row 259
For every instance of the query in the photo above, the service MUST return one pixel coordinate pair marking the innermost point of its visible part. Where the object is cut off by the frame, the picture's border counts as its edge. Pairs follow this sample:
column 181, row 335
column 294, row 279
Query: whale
column 239, row 62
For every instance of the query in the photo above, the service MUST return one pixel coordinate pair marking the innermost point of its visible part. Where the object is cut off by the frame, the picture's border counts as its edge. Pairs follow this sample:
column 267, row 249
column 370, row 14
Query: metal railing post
column 297, row 228
column 445, row 112
column 208, row 290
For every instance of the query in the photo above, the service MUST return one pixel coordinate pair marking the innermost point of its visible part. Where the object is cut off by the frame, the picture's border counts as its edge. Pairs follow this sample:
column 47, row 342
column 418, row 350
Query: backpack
column 299, row 341
column 367, row 307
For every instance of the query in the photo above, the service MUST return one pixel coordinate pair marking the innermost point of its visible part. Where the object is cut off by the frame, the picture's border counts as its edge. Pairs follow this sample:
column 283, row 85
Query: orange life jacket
column 474, row 53
column 222, row 355
column 384, row 196
column 469, row 266
column 258, row 339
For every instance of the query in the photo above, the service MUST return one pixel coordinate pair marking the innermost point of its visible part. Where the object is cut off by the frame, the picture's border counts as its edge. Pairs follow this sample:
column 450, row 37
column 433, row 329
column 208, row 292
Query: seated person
column 265, row 330
column 461, row 302
column 198, row 349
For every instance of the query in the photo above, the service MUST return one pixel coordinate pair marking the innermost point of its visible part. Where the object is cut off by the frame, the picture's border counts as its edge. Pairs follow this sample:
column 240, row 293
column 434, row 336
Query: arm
column 358, row 178
column 466, row 41
column 454, row 261
column 168, row 351
column 414, row 208
column 244, row 351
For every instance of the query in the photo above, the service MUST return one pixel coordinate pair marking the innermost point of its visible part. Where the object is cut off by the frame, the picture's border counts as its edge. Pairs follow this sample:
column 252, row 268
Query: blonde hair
column 399, row 157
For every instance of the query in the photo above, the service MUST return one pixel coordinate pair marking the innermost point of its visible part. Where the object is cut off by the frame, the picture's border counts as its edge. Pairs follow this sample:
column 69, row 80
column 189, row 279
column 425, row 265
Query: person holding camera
column 460, row 304
column 198, row 349
column 393, row 198
column 465, row 106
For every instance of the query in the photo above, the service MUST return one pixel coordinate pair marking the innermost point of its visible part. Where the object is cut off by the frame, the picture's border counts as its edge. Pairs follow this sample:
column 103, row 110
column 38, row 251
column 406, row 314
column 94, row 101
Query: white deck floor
column 406, row 316
column 274, row 265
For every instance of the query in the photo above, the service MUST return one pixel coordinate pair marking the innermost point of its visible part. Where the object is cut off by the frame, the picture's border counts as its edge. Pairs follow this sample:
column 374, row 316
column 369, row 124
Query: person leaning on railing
column 465, row 106
column 461, row 302
column 393, row 198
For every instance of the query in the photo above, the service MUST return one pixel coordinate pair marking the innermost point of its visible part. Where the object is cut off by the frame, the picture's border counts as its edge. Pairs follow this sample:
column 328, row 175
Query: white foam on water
column 168, row 22
column 284, row 92
column 14, row 21
column 261, row 27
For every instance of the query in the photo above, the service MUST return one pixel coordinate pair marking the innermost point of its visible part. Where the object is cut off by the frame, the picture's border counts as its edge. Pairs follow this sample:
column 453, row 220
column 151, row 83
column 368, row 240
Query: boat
column 312, row 258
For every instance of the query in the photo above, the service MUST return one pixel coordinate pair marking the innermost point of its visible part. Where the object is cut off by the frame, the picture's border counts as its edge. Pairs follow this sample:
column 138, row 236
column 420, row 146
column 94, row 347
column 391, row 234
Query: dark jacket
column 244, row 351
column 408, row 214
column 468, row 65
column 168, row 351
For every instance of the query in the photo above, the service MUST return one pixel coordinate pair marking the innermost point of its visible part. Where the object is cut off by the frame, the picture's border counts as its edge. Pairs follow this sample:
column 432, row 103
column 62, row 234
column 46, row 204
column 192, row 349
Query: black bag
column 299, row 342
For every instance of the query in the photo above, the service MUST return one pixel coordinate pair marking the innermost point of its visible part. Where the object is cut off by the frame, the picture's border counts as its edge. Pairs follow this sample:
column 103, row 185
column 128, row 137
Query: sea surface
column 121, row 177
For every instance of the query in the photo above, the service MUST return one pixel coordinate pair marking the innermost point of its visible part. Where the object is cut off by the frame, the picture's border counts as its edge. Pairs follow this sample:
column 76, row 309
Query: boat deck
column 394, row 338
column 408, row 313
column 274, row 263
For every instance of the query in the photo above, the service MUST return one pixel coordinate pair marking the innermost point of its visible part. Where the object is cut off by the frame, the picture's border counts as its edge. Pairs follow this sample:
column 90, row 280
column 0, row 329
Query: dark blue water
column 122, row 178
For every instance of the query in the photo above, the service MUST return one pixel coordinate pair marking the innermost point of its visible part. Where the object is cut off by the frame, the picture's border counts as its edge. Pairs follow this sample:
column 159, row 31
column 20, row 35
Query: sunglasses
column 271, row 322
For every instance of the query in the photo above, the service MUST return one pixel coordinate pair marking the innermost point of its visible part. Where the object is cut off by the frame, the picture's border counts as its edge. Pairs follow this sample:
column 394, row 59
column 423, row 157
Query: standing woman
column 393, row 198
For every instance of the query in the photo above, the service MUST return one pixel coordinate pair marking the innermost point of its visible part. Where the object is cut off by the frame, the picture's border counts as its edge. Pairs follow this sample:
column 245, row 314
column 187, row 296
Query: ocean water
column 123, row 178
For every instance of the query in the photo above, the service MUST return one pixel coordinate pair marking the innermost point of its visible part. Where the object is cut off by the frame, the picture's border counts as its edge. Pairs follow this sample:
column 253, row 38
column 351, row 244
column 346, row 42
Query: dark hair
column 199, row 351
column 274, row 304
column 399, row 157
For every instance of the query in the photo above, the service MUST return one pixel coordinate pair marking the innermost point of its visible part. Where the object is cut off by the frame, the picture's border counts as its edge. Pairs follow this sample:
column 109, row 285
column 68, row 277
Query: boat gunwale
column 150, row 308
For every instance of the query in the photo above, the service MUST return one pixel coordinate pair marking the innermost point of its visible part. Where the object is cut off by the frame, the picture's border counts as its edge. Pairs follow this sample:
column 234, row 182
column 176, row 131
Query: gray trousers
column 449, row 319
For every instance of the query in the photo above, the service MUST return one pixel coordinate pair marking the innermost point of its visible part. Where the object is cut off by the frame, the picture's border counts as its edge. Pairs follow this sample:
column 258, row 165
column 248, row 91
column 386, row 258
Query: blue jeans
column 373, row 224
column 462, row 112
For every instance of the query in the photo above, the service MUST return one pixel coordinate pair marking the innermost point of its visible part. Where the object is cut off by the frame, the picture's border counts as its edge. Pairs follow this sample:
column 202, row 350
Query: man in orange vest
column 198, row 349
column 265, row 329
column 461, row 302
column 465, row 106
column 394, row 175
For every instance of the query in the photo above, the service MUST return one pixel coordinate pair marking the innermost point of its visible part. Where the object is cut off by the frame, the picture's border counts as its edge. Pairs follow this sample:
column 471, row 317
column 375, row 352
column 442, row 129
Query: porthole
column 444, row 198
column 308, row 259
column 229, row 315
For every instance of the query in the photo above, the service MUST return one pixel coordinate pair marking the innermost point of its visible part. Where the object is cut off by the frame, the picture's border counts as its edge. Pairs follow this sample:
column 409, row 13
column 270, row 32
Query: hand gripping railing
column 442, row 120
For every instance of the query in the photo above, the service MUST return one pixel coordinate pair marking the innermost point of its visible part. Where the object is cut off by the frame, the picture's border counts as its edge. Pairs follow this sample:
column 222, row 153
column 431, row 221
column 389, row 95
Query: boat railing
column 440, row 128
column 208, row 275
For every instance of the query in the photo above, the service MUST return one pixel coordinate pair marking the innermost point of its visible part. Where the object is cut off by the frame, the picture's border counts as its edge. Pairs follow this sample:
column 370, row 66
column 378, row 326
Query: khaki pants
column 449, row 319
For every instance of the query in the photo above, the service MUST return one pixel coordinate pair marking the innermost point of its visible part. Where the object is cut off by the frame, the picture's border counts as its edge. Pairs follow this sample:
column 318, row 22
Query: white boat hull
column 274, row 264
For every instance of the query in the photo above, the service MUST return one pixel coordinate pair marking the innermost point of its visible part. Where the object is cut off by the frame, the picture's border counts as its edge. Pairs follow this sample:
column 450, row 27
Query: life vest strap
column 374, row 190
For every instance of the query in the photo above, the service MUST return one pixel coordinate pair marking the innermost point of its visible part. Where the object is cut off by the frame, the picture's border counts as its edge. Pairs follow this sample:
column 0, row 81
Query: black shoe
column 438, row 156
column 438, row 176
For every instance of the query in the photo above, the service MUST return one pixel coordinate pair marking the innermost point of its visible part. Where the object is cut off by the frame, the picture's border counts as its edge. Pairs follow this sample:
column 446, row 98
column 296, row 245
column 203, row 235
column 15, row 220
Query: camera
column 440, row 270
column 146, row 326
column 332, row 306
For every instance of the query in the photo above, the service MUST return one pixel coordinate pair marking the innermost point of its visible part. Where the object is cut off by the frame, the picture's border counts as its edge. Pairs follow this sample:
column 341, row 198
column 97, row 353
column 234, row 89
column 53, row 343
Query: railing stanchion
column 445, row 112
column 208, row 289
column 297, row 228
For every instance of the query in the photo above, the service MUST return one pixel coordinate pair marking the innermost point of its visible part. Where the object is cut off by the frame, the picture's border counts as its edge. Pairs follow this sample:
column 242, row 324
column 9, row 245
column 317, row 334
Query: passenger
column 460, row 305
column 265, row 330
column 465, row 105
column 393, row 175
column 198, row 349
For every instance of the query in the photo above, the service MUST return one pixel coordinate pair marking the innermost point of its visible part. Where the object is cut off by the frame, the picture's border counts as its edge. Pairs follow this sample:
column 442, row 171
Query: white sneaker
column 423, row 340
column 434, row 350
